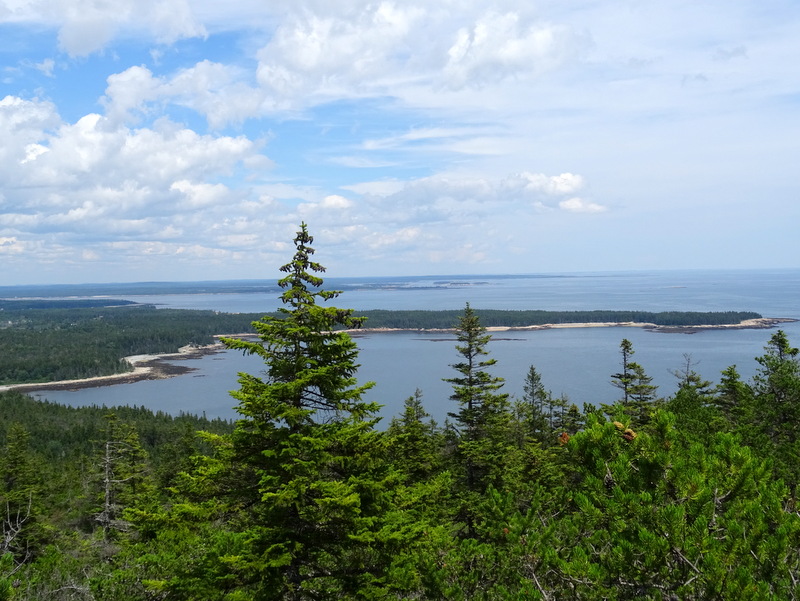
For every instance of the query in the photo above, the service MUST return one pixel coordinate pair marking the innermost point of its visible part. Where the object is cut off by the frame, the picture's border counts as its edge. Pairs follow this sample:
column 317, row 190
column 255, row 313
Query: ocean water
column 576, row 363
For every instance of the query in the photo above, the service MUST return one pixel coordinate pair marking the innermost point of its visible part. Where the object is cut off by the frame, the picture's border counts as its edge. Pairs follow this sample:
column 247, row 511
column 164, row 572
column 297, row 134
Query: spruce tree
column 487, row 450
column 307, row 436
column 535, row 408
column 638, row 392
column 776, row 409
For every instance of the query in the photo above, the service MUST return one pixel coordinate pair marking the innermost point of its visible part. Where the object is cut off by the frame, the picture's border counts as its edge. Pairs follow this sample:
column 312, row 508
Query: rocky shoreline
column 158, row 367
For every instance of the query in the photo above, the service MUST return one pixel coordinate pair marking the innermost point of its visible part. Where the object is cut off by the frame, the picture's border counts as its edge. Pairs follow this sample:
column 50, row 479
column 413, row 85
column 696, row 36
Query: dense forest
column 305, row 498
column 45, row 340
column 47, row 344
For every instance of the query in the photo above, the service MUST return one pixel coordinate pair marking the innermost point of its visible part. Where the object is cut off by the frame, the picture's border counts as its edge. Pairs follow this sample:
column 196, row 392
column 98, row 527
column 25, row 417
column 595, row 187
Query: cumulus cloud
column 94, row 181
column 469, row 200
column 209, row 88
column 318, row 53
column 386, row 48
column 86, row 26
column 330, row 204
column 539, row 183
column 201, row 195
column 498, row 46
column 334, row 201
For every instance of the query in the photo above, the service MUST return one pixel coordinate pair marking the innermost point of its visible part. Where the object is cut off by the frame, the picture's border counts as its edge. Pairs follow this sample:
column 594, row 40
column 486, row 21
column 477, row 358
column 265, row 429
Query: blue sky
column 187, row 139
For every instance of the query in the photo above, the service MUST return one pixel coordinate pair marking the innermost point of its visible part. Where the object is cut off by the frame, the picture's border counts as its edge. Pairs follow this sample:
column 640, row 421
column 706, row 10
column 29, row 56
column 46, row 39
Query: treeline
column 47, row 342
column 41, row 345
column 60, row 432
column 688, row 497
column 494, row 317
column 67, row 303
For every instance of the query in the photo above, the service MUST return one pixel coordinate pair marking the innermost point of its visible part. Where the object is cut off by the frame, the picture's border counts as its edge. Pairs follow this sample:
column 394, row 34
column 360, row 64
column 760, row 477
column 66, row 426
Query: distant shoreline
column 761, row 323
column 159, row 367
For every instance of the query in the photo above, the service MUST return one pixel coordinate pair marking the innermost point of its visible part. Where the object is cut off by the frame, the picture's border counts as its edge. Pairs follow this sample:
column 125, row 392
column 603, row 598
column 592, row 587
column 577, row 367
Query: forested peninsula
column 46, row 340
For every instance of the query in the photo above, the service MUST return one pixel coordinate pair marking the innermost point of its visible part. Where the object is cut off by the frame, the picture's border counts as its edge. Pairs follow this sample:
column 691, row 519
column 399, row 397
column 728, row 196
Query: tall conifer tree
column 486, row 444
column 307, row 435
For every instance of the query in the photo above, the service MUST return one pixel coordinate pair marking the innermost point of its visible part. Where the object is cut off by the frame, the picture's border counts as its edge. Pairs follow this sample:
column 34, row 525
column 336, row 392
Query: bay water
column 574, row 362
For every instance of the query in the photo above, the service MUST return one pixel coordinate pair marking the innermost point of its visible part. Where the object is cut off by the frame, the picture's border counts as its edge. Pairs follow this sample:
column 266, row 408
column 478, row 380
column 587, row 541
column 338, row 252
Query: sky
column 162, row 140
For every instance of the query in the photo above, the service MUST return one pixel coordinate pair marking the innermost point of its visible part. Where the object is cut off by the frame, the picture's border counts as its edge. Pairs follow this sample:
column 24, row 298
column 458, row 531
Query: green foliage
column 43, row 345
column 658, row 519
column 482, row 422
column 416, row 441
column 775, row 406
column 306, row 437
column 638, row 393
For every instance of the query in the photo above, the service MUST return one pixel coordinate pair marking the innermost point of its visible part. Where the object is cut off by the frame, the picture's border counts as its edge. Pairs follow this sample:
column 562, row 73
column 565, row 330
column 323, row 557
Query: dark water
column 574, row 362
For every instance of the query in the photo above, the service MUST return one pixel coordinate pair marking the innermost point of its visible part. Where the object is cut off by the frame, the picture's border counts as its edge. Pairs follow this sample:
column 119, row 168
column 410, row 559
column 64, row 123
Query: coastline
column 158, row 367
column 145, row 367
column 761, row 323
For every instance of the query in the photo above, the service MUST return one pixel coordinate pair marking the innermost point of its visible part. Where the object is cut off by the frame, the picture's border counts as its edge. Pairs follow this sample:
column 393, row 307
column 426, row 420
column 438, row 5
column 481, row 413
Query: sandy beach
column 156, row 367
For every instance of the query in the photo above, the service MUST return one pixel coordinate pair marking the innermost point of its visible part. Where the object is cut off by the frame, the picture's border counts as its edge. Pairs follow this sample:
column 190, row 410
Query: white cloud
column 10, row 245
column 461, row 200
column 94, row 180
column 331, row 204
column 210, row 88
column 578, row 205
column 32, row 151
column 46, row 66
column 201, row 195
column 318, row 54
column 402, row 237
column 480, row 122
column 334, row 201
column 498, row 46
column 539, row 183
column 86, row 26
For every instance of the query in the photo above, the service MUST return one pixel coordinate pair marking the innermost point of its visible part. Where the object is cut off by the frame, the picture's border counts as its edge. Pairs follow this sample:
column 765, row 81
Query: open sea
column 576, row 363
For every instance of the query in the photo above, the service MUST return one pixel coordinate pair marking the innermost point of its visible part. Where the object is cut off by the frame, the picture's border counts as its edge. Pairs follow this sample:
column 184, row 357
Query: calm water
column 574, row 362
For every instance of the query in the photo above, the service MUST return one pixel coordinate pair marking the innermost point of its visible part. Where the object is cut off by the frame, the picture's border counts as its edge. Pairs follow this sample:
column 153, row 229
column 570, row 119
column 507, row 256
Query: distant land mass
column 256, row 286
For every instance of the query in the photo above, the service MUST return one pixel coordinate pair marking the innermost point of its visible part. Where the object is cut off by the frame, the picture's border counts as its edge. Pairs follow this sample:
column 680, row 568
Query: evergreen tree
column 307, row 436
column 638, row 392
column 123, row 474
column 655, row 517
column 487, row 447
column 776, row 404
column 534, row 407
column 415, row 441
column 21, row 530
column 698, row 417
column 624, row 379
column 733, row 398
